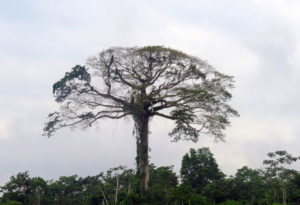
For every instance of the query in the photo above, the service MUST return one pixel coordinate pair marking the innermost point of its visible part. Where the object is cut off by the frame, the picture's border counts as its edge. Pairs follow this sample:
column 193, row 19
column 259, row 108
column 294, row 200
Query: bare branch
column 163, row 115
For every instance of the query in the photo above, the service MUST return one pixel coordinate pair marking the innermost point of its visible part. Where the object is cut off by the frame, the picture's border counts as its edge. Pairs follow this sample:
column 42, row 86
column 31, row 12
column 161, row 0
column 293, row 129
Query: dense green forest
column 200, row 182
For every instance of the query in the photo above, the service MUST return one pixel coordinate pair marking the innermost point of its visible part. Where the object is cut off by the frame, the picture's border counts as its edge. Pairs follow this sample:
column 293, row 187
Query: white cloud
column 222, row 50
column 261, row 129
column 4, row 128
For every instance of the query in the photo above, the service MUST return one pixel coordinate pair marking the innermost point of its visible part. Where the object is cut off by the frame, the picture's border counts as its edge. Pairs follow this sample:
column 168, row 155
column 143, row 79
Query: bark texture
column 142, row 124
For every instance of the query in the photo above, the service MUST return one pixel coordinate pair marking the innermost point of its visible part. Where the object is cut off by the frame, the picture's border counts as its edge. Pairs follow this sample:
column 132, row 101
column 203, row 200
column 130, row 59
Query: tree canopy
column 196, row 92
column 143, row 83
column 199, row 168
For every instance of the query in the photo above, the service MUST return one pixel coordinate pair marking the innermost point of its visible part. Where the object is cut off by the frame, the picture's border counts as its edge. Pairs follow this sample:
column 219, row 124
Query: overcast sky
column 258, row 42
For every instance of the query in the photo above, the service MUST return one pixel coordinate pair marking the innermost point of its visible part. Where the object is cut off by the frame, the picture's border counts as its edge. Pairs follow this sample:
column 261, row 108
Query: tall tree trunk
column 274, row 196
column 129, row 186
column 103, row 195
column 284, row 194
column 142, row 123
column 38, row 196
column 117, row 190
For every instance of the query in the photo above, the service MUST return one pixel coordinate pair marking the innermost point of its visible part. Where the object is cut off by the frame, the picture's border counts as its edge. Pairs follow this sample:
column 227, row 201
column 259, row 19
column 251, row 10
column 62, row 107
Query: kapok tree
column 143, row 83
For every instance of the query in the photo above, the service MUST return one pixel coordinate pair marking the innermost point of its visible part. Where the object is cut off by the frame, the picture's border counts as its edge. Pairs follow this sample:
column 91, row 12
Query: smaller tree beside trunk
column 278, row 173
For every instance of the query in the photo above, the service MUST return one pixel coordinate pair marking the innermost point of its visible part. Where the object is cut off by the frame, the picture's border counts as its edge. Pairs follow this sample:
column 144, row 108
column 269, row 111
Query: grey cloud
column 252, row 41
